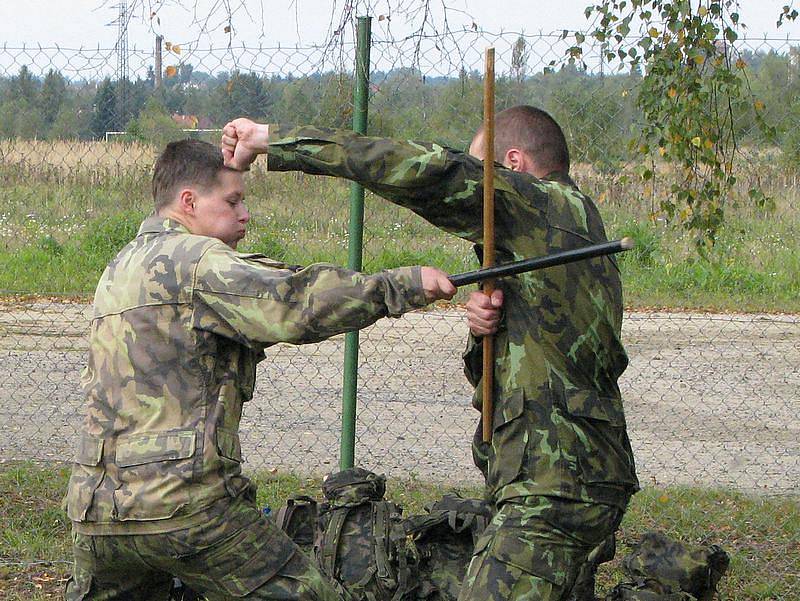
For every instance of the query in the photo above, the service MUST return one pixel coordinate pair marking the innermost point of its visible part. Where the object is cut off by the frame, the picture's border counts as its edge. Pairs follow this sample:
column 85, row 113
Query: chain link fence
column 711, row 398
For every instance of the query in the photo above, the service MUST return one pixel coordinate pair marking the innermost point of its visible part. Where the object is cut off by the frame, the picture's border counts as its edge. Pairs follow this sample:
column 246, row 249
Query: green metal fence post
column 356, row 233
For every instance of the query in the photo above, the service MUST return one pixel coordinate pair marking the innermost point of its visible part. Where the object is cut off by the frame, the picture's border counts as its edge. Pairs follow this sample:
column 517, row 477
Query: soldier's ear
column 514, row 159
column 186, row 201
column 519, row 160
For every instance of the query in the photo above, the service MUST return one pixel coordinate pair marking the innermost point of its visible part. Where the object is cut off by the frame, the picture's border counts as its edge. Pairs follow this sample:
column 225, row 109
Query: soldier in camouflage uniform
column 560, row 468
column 180, row 320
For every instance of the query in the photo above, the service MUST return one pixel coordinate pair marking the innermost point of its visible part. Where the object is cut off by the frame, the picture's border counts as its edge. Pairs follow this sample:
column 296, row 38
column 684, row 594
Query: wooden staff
column 488, row 237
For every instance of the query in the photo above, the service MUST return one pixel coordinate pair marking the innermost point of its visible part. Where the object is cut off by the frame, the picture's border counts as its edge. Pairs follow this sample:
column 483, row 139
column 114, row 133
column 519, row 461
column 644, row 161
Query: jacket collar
column 156, row 224
column 559, row 177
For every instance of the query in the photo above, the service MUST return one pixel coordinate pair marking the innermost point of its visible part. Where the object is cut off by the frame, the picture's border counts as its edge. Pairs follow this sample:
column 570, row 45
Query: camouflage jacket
column 559, row 425
column 179, row 323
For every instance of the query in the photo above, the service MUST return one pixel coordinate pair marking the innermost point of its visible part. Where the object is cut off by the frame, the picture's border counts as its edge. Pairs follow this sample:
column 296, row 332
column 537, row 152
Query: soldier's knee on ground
column 505, row 566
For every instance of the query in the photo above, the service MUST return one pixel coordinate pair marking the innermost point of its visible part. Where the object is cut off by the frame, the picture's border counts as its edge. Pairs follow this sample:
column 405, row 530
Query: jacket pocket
column 587, row 403
column 153, row 447
column 509, row 440
column 596, row 437
column 87, row 473
column 90, row 451
column 154, row 469
column 229, row 445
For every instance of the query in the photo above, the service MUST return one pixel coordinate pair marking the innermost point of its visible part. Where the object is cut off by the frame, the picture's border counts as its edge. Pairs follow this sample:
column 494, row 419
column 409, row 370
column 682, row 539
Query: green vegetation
column 753, row 267
column 60, row 227
column 760, row 533
column 694, row 97
column 599, row 112
column 69, row 203
column 696, row 101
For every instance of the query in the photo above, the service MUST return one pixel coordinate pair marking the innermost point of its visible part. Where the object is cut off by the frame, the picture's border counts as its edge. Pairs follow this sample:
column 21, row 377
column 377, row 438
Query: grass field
column 761, row 534
column 67, row 208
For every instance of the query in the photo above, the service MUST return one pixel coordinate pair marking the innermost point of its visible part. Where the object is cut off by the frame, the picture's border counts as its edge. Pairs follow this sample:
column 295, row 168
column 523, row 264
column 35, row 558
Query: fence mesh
column 711, row 398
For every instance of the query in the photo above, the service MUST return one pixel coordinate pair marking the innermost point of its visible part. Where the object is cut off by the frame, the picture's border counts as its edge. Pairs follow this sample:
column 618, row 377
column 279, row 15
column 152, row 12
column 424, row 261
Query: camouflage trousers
column 534, row 550
column 255, row 561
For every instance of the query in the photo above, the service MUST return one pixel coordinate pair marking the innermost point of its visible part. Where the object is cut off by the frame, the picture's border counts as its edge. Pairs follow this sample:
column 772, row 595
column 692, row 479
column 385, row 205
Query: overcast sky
column 75, row 23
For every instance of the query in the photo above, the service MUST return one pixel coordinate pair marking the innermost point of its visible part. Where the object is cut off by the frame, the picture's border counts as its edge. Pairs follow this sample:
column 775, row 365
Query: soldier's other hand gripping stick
column 484, row 311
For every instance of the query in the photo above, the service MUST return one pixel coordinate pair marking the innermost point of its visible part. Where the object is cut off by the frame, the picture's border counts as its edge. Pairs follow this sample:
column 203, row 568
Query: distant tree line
column 598, row 112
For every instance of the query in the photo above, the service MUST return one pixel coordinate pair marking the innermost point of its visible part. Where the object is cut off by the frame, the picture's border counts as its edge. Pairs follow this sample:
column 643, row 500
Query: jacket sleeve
column 259, row 302
column 442, row 185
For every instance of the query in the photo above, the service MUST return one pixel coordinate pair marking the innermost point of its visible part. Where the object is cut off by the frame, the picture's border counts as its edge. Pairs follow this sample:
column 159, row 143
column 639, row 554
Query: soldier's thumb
column 497, row 298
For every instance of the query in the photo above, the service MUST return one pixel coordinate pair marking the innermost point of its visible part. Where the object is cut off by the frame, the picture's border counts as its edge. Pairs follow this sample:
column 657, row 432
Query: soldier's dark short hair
column 533, row 131
column 185, row 163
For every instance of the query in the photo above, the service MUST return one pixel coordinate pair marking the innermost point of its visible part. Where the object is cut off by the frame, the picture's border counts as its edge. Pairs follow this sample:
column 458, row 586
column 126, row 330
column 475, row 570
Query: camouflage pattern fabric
column 442, row 541
column 692, row 569
column 361, row 543
column 559, row 431
column 244, row 556
column 534, row 551
column 179, row 323
column 584, row 587
column 298, row 519
column 559, row 424
column 354, row 486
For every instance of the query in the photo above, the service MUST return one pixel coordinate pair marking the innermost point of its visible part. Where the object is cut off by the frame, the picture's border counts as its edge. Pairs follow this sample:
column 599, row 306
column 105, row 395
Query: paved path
column 710, row 399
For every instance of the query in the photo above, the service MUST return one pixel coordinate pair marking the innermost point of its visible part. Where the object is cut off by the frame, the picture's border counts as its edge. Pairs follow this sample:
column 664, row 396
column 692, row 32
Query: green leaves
column 694, row 82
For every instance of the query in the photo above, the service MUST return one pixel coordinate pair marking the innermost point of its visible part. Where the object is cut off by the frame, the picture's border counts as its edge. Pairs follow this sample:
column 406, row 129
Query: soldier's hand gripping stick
column 526, row 265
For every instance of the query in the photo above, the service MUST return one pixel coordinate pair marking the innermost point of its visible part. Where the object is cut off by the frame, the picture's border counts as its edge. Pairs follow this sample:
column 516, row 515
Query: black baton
column 567, row 256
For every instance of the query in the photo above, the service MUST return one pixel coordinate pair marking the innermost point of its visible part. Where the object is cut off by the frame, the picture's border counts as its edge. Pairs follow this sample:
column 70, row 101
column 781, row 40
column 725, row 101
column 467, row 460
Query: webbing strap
column 380, row 532
column 330, row 540
column 284, row 515
column 404, row 584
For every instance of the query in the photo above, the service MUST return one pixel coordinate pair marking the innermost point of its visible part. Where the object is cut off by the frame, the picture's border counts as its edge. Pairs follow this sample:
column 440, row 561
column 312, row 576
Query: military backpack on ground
column 298, row 519
column 443, row 541
column 360, row 542
column 647, row 589
column 694, row 570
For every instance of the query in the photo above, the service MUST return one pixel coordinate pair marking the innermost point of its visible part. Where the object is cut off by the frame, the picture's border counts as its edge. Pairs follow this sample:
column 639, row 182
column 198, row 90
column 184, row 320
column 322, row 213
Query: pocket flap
column 587, row 403
column 229, row 445
column 539, row 562
column 509, row 407
column 155, row 446
column 90, row 450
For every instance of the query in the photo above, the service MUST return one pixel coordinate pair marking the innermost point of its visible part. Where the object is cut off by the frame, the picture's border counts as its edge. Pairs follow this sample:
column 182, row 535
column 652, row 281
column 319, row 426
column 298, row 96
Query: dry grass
column 100, row 163
column 70, row 156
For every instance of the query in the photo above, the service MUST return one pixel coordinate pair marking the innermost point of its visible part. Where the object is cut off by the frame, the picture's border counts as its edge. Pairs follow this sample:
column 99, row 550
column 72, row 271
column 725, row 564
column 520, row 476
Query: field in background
column 69, row 206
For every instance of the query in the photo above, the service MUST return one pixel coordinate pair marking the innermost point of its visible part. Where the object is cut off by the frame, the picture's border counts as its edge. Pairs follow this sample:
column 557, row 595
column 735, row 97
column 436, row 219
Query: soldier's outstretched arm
column 259, row 302
column 440, row 184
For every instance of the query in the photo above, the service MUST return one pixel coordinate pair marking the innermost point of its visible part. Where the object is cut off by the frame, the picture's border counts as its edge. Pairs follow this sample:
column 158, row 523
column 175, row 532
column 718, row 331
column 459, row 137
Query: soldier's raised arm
column 441, row 184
